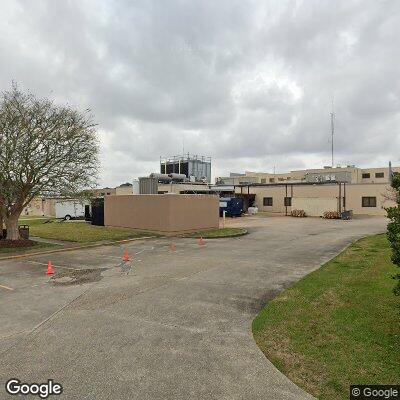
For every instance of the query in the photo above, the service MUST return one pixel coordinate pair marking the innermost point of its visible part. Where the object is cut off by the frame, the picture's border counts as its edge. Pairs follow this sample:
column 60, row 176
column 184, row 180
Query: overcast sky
column 249, row 83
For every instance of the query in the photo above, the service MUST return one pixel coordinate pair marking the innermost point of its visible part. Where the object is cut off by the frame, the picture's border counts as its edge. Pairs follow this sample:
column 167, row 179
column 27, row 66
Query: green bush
column 393, row 230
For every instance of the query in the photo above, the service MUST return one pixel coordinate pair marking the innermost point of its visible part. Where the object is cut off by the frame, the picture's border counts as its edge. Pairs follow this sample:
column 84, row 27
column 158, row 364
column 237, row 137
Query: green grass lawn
column 4, row 252
column 79, row 231
column 337, row 326
column 218, row 233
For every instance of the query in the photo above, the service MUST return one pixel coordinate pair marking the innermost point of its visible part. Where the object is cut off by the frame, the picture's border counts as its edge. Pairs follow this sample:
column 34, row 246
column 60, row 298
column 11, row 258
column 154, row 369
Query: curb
column 245, row 232
column 87, row 246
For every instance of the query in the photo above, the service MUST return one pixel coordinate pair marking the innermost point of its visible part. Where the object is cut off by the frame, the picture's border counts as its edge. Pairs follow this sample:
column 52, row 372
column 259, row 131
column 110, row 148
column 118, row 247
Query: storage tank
column 164, row 178
column 135, row 186
column 177, row 177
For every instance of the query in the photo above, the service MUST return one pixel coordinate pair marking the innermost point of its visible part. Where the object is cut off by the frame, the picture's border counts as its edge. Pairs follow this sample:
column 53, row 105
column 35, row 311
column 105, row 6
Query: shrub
column 393, row 230
column 298, row 213
column 331, row 215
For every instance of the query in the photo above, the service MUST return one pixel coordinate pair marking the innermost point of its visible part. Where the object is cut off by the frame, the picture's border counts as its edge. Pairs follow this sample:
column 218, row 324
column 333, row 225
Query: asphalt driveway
column 177, row 326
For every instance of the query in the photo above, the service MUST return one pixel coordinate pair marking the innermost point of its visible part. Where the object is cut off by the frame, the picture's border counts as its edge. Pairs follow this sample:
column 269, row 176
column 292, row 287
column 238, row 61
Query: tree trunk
column 1, row 225
column 12, row 227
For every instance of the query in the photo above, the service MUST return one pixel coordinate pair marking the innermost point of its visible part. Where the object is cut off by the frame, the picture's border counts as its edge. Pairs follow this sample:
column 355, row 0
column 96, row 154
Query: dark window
column 344, row 202
column 379, row 175
column 368, row 202
column 267, row 201
column 287, row 201
column 280, row 179
column 366, row 176
column 271, row 180
column 263, row 180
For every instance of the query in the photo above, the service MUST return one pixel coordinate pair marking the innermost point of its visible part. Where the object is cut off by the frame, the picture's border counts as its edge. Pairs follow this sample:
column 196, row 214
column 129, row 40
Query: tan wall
column 372, row 172
column 121, row 190
column 354, row 194
column 40, row 207
column 169, row 213
column 315, row 206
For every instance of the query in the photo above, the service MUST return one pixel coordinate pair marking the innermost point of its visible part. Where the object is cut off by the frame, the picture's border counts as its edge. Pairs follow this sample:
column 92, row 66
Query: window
column 287, row 201
column 366, row 175
column 267, row 201
column 263, row 180
column 368, row 201
column 379, row 175
column 271, row 180
column 280, row 179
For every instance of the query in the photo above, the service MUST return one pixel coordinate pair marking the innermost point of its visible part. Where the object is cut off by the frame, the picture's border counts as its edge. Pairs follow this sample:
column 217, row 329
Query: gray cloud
column 249, row 83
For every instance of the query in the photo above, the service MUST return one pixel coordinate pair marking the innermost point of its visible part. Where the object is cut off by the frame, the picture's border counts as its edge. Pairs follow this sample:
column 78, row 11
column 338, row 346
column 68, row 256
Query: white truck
column 70, row 209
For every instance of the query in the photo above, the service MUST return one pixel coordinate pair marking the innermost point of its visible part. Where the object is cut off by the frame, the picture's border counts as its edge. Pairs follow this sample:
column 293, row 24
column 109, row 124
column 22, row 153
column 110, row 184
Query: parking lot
column 169, row 324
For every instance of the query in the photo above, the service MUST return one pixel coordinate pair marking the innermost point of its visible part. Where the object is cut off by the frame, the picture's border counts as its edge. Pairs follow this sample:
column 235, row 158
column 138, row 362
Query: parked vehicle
column 233, row 206
column 70, row 209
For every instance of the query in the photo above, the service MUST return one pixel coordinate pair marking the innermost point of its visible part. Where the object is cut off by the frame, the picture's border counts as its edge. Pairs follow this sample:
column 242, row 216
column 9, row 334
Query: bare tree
column 391, row 195
column 2, row 213
column 45, row 150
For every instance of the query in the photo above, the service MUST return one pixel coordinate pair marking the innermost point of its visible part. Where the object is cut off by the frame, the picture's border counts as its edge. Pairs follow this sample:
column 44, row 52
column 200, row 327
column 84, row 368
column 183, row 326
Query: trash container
column 347, row 214
column 24, row 231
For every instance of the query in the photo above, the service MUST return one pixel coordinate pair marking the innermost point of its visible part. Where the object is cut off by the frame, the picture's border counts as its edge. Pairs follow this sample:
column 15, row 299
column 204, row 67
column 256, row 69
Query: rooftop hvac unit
column 148, row 185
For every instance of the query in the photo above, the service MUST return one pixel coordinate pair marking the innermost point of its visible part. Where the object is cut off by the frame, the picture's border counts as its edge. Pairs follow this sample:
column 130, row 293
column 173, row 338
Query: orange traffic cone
column 126, row 256
column 173, row 246
column 50, row 269
column 201, row 241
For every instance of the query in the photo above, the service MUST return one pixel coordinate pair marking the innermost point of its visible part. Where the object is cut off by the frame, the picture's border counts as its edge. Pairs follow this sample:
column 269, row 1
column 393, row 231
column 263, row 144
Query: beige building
column 362, row 198
column 103, row 192
column 363, row 190
column 123, row 190
column 41, row 207
column 348, row 174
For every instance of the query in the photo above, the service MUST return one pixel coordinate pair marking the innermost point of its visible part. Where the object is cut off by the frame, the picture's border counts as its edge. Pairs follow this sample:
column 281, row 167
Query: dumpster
column 233, row 206
column 346, row 214
column 24, row 231
column 98, row 212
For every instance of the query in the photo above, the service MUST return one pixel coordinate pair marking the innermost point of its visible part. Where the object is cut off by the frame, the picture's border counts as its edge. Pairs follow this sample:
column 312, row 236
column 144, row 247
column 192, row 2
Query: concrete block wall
column 168, row 214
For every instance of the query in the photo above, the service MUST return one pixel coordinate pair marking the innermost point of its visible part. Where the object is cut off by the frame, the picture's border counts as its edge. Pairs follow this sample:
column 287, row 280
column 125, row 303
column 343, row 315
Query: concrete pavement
column 177, row 327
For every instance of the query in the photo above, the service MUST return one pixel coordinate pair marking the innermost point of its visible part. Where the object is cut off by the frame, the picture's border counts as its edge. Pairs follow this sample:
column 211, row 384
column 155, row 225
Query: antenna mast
column 332, row 130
